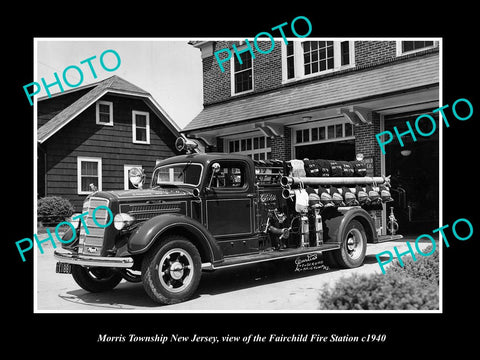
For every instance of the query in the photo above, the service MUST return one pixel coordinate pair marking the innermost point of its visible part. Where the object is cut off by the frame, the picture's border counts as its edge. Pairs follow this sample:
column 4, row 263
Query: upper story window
column 317, row 56
column 104, row 113
column 404, row 47
column 309, row 58
column 290, row 56
column 141, row 127
column 242, row 74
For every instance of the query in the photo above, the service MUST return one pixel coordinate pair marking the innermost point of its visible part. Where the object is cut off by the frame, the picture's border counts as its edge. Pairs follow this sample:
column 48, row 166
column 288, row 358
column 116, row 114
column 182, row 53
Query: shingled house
column 326, row 99
column 91, row 136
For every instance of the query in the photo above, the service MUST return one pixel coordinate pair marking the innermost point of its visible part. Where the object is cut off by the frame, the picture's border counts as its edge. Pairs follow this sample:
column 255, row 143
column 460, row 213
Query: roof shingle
column 111, row 84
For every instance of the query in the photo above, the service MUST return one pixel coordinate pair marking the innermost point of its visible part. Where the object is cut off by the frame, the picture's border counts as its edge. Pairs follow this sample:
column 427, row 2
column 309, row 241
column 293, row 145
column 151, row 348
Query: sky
column 169, row 69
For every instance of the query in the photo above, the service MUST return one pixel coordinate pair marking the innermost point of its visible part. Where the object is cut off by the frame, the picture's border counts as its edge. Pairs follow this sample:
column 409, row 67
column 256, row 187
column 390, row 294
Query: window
column 348, row 129
column 104, row 113
column 324, row 133
column 242, row 74
column 89, row 175
column 303, row 135
column 413, row 46
column 126, row 181
column 317, row 56
column 309, row 58
column 141, row 127
column 258, row 147
column 290, row 61
column 345, row 53
column 230, row 175
column 178, row 174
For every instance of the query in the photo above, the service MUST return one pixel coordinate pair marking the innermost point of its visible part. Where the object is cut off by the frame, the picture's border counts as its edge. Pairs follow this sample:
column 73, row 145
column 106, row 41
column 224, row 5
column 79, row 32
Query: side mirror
column 196, row 192
column 216, row 167
column 136, row 177
column 215, row 170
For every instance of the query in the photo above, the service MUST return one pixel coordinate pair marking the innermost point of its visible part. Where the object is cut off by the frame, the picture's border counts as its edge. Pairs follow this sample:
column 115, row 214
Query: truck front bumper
column 68, row 257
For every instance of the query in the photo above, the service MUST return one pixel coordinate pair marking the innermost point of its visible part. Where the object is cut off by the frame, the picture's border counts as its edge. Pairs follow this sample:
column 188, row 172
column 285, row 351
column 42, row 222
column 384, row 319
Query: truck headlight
column 122, row 220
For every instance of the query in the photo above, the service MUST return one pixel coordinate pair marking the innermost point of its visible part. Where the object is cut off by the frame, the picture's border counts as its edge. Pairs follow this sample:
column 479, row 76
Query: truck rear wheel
column 171, row 271
column 353, row 246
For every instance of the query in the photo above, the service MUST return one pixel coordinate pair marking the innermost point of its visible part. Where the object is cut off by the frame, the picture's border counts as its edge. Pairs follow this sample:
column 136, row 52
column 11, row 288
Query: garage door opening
column 338, row 150
column 415, row 176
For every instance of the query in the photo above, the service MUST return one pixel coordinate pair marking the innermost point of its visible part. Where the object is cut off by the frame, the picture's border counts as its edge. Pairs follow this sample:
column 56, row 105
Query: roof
column 325, row 91
column 113, row 84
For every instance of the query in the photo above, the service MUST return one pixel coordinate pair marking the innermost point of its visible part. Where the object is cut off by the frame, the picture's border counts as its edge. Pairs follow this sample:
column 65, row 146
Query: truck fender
column 336, row 224
column 142, row 239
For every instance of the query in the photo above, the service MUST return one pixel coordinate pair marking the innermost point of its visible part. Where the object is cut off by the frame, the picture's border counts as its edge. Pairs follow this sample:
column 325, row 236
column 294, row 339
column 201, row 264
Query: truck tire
column 353, row 246
column 171, row 271
column 329, row 259
column 95, row 279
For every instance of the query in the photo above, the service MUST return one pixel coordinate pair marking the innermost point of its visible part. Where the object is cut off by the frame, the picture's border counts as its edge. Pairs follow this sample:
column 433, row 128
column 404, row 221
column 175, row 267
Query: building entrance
column 338, row 150
column 415, row 177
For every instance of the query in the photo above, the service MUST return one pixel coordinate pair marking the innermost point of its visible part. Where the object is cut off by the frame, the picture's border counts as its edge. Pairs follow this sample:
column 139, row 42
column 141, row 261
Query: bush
column 413, row 286
column 425, row 268
column 395, row 291
column 53, row 209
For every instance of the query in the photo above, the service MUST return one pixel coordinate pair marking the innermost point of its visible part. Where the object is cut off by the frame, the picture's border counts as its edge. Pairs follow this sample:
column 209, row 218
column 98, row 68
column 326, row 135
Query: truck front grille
column 91, row 243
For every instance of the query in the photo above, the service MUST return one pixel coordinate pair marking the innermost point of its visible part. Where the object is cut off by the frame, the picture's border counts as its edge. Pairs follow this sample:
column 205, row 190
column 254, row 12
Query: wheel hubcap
column 175, row 270
column 354, row 243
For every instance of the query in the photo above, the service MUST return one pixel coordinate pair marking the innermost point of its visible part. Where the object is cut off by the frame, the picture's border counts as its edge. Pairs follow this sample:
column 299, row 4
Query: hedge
column 53, row 209
column 425, row 268
column 412, row 287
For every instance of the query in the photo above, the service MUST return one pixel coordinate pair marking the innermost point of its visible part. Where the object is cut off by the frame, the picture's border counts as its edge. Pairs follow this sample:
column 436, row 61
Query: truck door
column 229, row 200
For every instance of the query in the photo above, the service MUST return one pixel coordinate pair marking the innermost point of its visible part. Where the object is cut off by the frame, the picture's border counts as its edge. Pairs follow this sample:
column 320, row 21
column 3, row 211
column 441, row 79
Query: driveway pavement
column 272, row 286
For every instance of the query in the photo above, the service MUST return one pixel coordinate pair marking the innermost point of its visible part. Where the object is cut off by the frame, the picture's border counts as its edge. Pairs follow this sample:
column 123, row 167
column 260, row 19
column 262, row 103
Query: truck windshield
column 177, row 174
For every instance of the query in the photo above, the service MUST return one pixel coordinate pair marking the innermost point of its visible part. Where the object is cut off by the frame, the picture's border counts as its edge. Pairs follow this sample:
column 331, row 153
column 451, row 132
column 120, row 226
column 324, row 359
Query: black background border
column 408, row 333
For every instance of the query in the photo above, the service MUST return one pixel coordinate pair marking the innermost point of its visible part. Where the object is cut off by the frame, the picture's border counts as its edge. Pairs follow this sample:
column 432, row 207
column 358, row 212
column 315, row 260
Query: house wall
column 267, row 68
column 365, row 144
column 374, row 52
column 267, row 72
column 83, row 137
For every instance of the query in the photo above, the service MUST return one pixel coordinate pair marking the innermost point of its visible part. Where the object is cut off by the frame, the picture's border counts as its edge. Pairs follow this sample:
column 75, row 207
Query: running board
column 268, row 256
column 385, row 238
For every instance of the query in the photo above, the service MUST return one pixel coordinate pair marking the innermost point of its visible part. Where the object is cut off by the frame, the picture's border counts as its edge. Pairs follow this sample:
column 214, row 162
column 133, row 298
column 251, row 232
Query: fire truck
column 208, row 211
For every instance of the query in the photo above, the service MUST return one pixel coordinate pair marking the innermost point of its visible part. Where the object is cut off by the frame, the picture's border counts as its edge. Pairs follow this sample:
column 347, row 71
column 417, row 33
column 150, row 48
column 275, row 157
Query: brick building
column 327, row 99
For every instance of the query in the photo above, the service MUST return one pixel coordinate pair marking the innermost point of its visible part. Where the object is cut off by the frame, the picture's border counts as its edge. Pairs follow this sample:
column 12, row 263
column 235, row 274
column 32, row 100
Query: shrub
column 395, row 291
column 53, row 209
column 425, row 268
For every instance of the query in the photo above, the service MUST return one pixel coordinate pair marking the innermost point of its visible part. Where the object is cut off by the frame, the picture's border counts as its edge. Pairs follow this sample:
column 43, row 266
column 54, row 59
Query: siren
column 185, row 144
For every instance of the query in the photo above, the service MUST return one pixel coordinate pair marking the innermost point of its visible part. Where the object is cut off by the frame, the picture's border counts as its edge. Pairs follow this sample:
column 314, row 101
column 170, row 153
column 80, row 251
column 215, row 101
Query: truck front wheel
column 353, row 246
column 171, row 271
column 95, row 279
